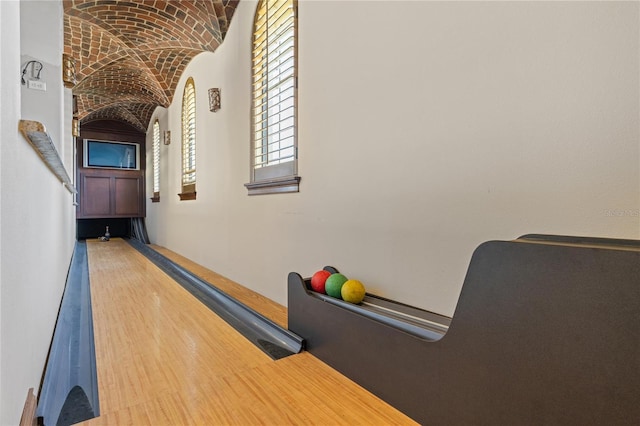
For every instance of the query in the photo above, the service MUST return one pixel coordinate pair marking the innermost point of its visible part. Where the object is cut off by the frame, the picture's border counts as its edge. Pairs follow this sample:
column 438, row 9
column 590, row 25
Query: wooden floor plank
column 163, row 358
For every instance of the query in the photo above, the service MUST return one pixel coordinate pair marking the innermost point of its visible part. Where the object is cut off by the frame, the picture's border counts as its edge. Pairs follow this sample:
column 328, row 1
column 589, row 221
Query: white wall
column 37, row 225
column 425, row 128
column 38, row 18
column 6, row 64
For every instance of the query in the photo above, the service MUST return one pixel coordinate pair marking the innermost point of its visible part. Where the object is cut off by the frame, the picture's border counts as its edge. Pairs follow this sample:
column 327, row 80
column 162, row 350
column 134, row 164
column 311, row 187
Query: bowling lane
column 164, row 358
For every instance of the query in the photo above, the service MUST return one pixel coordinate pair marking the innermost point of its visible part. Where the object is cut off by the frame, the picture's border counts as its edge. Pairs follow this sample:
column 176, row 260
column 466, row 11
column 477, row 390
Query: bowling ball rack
column 545, row 331
column 409, row 319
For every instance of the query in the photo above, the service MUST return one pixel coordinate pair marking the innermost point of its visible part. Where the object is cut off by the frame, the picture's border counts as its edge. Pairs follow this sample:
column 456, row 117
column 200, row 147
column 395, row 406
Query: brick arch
column 90, row 46
column 94, row 105
column 136, row 115
column 124, row 79
column 168, row 64
column 133, row 53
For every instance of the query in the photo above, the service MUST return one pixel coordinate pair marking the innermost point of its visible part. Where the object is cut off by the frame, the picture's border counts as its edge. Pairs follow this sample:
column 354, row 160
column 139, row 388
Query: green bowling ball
column 333, row 285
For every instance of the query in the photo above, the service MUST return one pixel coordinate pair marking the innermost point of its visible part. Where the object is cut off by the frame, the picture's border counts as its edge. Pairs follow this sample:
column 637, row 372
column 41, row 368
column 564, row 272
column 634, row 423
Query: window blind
column 274, row 96
column 156, row 157
column 189, row 134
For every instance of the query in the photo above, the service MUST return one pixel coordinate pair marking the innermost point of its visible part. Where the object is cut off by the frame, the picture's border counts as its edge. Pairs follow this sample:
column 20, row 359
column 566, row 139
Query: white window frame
column 188, row 141
column 156, row 162
column 274, row 146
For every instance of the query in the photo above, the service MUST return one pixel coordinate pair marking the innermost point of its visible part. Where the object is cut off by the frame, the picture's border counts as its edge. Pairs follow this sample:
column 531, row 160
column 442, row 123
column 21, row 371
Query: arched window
column 274, row 150
column 189, row 141
column 156, row 162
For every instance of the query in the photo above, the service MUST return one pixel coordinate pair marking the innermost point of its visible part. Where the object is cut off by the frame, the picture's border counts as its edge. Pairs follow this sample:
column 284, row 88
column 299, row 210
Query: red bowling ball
column 318, row 280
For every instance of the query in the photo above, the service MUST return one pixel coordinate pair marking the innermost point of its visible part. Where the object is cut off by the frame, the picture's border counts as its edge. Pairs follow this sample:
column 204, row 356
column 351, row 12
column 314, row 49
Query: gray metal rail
column 272, row 339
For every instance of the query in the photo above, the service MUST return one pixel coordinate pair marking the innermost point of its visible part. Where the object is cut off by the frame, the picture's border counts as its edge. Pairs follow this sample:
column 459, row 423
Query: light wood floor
column 163, row 358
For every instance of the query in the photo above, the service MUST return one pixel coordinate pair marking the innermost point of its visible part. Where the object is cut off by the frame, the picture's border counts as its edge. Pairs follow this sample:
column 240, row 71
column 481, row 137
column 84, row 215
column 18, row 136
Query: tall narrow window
column 189, row 142
column 156, row 162
column 274, row 151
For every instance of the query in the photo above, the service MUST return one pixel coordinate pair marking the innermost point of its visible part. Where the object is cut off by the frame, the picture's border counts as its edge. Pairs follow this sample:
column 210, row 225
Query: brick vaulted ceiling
column 129, row 55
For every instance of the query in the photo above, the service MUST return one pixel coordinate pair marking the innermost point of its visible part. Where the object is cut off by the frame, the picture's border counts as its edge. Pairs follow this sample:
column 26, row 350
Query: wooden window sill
column 184, row 196
column 274, row 186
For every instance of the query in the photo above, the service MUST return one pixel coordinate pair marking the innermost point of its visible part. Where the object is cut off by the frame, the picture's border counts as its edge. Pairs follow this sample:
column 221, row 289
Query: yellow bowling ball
column 352, row 291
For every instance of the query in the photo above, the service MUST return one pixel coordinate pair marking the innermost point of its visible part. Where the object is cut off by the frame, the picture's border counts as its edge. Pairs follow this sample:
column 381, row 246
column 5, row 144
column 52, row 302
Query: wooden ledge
column 184, row 196
column 35, row 133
